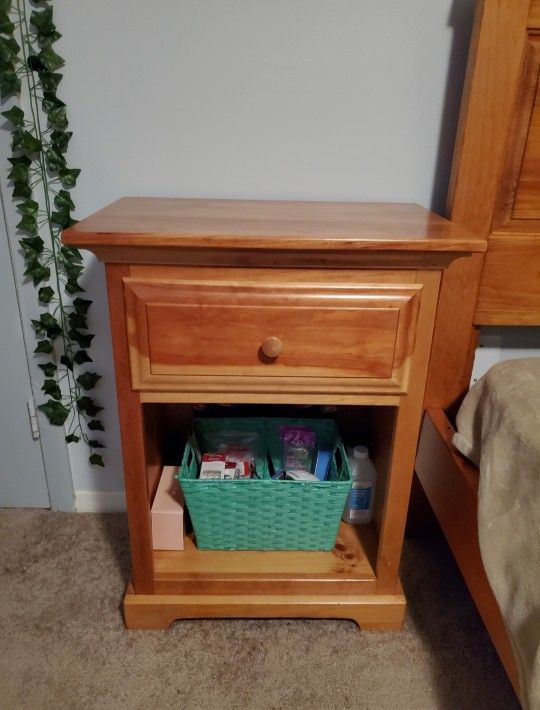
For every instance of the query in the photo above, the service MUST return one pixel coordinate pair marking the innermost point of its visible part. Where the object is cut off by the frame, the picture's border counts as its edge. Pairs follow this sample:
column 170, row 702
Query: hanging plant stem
column 42, row 181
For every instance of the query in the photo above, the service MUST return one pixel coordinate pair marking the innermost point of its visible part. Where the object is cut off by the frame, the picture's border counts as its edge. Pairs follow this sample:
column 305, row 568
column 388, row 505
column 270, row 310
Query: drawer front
column 184, row 329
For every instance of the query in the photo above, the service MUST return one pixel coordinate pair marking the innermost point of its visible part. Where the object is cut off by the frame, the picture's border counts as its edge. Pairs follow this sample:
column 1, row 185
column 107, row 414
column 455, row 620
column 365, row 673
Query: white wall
column 303, row 99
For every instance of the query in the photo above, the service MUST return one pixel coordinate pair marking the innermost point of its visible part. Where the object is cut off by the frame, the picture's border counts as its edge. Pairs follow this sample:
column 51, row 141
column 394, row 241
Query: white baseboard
column 100, row 501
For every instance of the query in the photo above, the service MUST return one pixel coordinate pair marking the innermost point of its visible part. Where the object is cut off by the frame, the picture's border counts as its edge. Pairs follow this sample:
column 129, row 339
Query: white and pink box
column 168, row 512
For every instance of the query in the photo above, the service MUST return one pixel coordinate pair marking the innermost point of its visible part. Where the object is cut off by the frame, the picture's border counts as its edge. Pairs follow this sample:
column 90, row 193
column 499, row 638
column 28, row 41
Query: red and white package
column 223, row 467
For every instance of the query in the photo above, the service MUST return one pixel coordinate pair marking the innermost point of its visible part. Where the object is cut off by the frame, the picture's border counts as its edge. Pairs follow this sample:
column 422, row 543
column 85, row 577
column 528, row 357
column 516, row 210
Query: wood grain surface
column 200, row 330
column 371, row 612
column 491, row 87
column 140, row 464
column 534, row 15
column 188, row 328
column 527, row 199
column 509, row 291
column 348, row 569
column 170, row 223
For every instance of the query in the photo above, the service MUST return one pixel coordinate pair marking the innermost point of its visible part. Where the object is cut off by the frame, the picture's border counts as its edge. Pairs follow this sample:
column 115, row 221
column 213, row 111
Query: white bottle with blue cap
column 359, row 506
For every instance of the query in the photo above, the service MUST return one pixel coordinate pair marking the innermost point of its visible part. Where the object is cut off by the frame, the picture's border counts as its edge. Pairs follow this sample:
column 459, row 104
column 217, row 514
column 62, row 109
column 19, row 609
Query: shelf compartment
column 347, row 570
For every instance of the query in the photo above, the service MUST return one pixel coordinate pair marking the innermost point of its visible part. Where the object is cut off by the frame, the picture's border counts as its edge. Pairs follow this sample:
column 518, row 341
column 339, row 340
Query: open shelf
column 347, row 569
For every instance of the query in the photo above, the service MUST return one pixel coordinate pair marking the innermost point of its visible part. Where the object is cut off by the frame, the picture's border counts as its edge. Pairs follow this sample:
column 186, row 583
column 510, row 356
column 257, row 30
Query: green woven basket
column 260, row 513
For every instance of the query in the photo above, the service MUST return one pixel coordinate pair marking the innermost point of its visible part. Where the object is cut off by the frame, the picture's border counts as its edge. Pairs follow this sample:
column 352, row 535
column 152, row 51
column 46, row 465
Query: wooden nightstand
column 347, row 294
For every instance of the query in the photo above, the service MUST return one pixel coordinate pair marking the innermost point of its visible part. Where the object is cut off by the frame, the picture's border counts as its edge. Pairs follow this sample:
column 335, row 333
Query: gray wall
column 303, row 99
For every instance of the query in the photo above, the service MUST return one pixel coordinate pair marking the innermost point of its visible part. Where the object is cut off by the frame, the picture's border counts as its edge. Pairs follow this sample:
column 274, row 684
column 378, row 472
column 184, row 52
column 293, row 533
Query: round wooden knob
column 272, row 347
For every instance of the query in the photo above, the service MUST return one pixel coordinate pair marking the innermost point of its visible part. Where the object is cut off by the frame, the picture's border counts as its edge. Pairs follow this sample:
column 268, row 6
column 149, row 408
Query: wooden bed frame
column 494, row 192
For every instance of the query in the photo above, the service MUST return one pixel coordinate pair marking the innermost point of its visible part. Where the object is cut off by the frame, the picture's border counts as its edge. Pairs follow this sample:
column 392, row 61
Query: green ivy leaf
column 63, row 201
column 60, row 140
column 46, row 40
column 73, row 287
column 46, row 29
column 37, row 271
column 50, row 81
column 35, row 64
column 38, row 327
column 20, row 173
column 21, row 190
column 5, row 6
column 50, row 101
column 24, row 140
column 50, row 59
column 44, row 346
column 49, row 368
column 30, row 143
column 67, row 222
column 71, row 254
column 51, row 325
column 62, row 219
column 42, row 20
column 16, row 140
column 55, row 412
column 73, row 271
column 69, row 176
column 87, row 405
column 66, row 361
column 28, row 207
column 58, row 117
column 41, row 274
column 77, row 320
column 55, row 160
column 82, row 339
column 88, row 380
column 96, row 425
column 51, row 388
column 15, row 115
column 8, row 48
column 19, row 159
column 47, row 324
column 96, row 460
column 82, row 305
column 32, row 246
column 6, row 25
column 45, row 294
column 81, row 356
column 9, row 83
column 72, row 439
column 95, row 444
column 28, row 223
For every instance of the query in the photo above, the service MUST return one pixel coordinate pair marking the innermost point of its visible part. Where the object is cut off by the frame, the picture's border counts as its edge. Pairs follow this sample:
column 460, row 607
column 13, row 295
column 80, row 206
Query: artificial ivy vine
column 42, row 181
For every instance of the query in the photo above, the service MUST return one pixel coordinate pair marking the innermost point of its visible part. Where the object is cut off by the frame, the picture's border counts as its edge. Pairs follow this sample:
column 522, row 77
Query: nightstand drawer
column 273, row 328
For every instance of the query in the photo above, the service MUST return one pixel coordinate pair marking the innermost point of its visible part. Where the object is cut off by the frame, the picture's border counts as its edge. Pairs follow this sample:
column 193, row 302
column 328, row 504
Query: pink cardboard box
column 168, row 512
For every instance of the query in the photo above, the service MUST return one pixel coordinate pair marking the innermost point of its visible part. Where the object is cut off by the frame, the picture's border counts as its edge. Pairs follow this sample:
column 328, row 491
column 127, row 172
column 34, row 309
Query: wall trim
column 100, row 501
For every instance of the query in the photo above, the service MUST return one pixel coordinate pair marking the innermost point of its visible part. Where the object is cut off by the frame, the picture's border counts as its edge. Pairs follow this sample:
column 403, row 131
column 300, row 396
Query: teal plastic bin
column 261, row 513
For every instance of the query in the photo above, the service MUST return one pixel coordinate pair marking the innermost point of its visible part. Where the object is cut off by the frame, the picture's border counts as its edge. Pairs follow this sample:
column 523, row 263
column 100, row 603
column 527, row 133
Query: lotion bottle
column 359, row 506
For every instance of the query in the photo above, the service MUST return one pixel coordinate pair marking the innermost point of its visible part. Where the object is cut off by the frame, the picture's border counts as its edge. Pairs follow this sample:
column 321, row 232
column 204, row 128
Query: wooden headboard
column 495, row 185
column 494, row 192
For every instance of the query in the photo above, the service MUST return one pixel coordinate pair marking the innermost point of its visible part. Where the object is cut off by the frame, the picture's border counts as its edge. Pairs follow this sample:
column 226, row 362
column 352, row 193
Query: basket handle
column 339, row 461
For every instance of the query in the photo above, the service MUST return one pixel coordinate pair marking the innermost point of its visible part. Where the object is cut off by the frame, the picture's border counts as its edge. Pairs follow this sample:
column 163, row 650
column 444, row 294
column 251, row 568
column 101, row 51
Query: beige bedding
column 498, row 428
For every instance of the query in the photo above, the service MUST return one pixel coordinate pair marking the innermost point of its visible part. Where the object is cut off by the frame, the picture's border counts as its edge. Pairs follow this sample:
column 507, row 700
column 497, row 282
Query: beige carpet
column 63, row 644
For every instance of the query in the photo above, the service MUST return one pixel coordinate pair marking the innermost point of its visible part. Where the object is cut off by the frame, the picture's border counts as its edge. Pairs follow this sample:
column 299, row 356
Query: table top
column 176, row 223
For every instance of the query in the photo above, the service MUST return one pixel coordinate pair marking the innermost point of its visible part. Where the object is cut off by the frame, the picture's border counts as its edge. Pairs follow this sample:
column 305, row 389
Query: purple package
column 297, row 435
column 298, row 447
